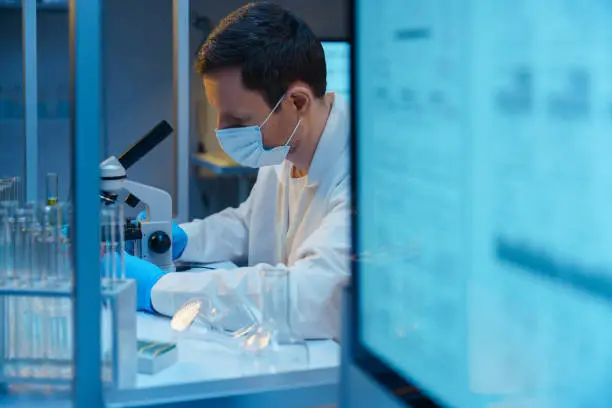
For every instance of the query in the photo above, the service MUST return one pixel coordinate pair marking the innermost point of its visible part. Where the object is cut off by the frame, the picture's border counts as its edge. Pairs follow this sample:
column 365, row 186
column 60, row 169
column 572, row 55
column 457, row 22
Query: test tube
column 63, row 214
column 17, row 191
column 47, row 249
column 52, row 188
column 36, row 310
column 111, row 236
column 9, row 244
column 8, row 227
column 23, row 247
column 47, row 319
column 52, row 263
column 4, row 187
column 48, row 274
column 114, row 235
column 105, row 244
column 3, row 237
column 66, row 276
column 20, row 303
column 3, row 265
column 121, row 249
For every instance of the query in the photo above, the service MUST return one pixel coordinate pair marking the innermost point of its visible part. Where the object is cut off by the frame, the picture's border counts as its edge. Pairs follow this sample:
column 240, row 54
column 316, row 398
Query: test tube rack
column 120, row 360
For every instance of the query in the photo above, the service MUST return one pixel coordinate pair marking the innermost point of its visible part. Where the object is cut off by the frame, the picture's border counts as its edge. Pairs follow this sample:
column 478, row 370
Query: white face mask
column 245, row 144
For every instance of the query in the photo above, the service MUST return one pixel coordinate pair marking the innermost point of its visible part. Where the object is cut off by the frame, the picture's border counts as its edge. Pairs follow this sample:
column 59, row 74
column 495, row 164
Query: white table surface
column 208, row 361
column 200, row 360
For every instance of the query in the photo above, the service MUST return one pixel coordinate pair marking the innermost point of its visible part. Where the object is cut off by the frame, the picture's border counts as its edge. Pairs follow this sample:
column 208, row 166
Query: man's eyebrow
column 235, row 118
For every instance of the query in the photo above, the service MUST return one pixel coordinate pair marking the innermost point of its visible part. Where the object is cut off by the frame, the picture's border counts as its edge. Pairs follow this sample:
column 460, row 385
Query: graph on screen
column 484, row 197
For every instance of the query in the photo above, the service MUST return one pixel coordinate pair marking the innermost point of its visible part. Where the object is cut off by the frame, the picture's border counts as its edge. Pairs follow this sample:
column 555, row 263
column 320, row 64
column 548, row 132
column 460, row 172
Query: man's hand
column 144, row 273
column 179, row 241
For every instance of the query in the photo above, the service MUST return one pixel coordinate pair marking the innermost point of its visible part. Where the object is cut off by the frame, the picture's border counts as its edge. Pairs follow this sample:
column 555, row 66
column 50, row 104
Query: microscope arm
column 158, row 202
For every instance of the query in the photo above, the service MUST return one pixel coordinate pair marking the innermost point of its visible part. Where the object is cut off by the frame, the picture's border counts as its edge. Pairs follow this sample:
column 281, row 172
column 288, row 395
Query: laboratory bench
column 211, row 371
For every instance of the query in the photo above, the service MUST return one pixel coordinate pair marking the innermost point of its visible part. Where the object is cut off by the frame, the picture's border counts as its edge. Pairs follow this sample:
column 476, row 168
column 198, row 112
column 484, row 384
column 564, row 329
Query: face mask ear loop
column 272, row 111
column 293, row 133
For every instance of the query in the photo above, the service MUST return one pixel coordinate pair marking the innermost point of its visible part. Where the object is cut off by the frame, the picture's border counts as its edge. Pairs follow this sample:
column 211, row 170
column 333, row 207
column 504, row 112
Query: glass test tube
column 8, row 227
column 113, row 242
column 63, row 215
column 36, row 308
column 28, row 278
column 105, row 215
column 47, row 246
column 9, row 247
column 53, row 317
column 5, row 184
column 114, row 235
column 121, row 248
column 52, row 188
column 3, row 237
column 6, row 318
column 62, row 212
column 47, row 265
column 17, row 191
column 23, row 246
column 19, row 304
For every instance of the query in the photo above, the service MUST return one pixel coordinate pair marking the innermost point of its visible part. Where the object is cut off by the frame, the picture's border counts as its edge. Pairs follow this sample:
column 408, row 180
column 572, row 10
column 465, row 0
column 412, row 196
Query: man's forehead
column 226, row 92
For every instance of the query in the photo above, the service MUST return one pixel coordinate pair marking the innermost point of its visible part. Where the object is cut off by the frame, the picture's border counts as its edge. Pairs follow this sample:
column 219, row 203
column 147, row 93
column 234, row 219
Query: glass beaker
column 274, row 347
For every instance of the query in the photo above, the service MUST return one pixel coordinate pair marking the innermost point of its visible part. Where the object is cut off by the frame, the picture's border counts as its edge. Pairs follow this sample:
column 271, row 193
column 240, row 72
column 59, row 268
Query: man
column 264, row 72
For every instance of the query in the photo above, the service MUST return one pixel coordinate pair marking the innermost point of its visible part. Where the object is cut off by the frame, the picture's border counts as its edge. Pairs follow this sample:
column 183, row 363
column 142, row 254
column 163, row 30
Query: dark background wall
column 138, row 85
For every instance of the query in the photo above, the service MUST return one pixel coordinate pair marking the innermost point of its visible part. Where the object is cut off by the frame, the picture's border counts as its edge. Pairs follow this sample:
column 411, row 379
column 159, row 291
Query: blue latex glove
column 179, row 239
column 146, row 276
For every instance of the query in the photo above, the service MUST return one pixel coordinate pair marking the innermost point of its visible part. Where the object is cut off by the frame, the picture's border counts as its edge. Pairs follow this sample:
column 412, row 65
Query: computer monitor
column 337, row 59
column 483, row 193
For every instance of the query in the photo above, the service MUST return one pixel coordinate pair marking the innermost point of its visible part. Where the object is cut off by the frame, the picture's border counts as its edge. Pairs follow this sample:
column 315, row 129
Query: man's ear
column 300, row 97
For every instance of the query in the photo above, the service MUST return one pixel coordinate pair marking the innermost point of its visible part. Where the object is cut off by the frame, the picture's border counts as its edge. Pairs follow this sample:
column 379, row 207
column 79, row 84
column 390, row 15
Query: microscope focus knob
column 160, row 242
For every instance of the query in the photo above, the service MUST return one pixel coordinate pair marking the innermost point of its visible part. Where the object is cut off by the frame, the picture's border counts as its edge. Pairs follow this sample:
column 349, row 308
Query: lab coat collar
column 333, row 142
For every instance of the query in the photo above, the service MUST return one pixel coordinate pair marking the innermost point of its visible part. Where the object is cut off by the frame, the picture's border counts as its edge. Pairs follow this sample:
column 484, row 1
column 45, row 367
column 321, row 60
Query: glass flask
column 274, row 346
column 210, row 319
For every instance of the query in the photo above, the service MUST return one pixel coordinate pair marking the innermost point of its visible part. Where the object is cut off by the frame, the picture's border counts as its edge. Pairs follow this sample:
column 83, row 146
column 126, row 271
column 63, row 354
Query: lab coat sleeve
column 320, row 273
column 316, row 278
column 221, row 237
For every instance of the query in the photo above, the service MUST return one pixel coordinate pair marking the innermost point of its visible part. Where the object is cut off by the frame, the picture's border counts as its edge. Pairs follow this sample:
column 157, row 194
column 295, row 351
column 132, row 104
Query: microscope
column 151, row 236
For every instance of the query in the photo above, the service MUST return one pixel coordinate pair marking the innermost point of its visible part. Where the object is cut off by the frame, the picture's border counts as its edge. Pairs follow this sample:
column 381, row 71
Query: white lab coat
column 318, row 258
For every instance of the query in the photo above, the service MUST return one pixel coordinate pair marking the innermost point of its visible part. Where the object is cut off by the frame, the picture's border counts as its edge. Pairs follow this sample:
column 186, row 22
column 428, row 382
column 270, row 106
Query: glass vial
column 52, row 188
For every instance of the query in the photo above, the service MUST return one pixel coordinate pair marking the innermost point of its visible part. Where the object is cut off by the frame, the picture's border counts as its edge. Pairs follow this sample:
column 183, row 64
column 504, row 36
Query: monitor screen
column 483, row 188
column 337, row 59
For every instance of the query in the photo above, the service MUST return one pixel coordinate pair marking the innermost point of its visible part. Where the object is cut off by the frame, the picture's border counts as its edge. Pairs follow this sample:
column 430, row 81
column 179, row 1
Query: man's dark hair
column 271, row 45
